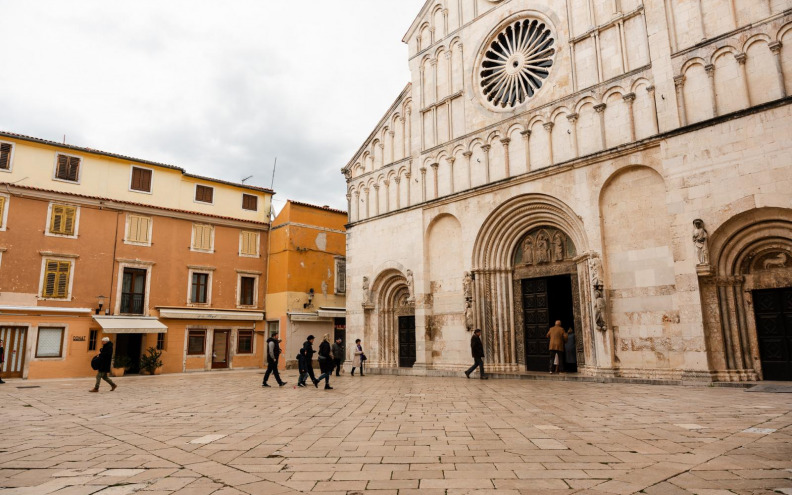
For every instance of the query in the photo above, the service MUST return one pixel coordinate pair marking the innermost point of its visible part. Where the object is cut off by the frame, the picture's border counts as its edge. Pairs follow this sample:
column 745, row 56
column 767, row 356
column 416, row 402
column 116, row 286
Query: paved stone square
column 222, row 433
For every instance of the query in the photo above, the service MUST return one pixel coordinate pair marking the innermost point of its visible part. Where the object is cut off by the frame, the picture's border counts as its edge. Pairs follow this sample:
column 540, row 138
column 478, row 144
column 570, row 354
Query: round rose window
column 516, row 63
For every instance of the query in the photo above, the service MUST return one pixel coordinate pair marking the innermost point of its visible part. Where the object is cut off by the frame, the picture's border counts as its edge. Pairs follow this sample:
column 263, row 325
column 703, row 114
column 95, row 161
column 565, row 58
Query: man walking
column 339, row 352
column 273, row 351
column 2, row 358
column 558, row 338
column 309, row 352
column 105, row 359
column 477, row 350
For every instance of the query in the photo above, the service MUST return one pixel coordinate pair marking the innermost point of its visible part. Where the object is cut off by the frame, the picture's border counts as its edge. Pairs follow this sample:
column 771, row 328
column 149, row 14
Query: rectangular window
column 2, row 211
column 245, row 342
column 62, row 219
column 5, row 156
column 202, row 237
column 50, row 342
column 196, row 342
column 56, row 279
column 249, row 243
column 200, row 285
column 247, row 288
column 92, row 339
column 68, row 168
column 133, row 291
column 249, row 202
column 204, row 194
column 160, row 341
column 138, row 228
column 141, row 179
column 273, row 327
column 340, row 276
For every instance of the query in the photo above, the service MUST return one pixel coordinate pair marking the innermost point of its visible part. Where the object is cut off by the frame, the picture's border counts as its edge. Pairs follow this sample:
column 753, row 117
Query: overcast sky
column 219, row 88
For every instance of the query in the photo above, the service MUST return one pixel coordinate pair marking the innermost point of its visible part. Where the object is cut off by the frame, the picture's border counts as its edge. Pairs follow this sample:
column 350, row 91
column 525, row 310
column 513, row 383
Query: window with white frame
column 249, row 243
column 56, row 278
column 140, row 179
column 273, row 327
column 247, row 289
column 4, row 200
column 204, row 194
column 50, row 342
column 202, row 238
column 340, row 275
column 6, row 156
column 138, row 230
column 63, row 220
column 199, row 287
column 67, row 167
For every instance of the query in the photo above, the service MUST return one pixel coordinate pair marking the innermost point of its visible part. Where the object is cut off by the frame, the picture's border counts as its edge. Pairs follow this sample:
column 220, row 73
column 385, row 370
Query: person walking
column 326, row 363
column 558, row 338
column 301, row 367
column 357, row 361
column 571, row 352
column 2, row 358
column 273, row 352
column 477, row 351
column 339, row 354
column 105, row 359
column 309, row 352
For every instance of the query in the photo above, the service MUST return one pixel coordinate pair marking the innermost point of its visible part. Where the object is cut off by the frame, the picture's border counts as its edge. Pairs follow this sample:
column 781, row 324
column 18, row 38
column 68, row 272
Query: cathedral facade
column 624, row 166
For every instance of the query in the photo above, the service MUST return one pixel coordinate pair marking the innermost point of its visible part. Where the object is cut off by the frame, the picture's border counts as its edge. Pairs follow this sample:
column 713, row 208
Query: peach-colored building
column 96, row 244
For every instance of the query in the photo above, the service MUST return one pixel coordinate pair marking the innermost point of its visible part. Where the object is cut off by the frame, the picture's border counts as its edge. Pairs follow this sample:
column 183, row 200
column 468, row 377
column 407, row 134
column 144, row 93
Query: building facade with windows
column 306, row 290
column 623, row 166
column 95, row 244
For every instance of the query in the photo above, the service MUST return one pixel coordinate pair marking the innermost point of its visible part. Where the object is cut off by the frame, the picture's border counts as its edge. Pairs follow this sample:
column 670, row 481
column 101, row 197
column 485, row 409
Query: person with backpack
column 359, row 359
column 302, row 368
column 326, row 363
column 103, row 362
column 273, row 352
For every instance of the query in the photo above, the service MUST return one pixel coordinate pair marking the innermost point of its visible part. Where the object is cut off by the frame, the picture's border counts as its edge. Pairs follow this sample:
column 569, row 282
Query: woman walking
column 357, row 362
column 326, row 363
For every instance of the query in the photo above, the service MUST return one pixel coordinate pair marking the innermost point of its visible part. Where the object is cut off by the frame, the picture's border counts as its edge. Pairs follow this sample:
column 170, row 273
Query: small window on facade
column 204, row 194
column 92, row 339
column 245, row 342
column 56, row 279
column 50, row 342
column 138, row 228
column 160, row 341
column 5, row 156
column 340, row 275
column 133, row 291
column 141, row 179
column 202, row 237
column 196, row 342
column 249, row 202
column 273, row 327
column 62, row 219
column 247, row 287
column 200, row 286
column 249, row 243
column 68, row 168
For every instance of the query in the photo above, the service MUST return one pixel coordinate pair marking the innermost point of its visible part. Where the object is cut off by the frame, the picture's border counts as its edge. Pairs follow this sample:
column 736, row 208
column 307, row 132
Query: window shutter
column 143, row 229
column 70, row 214
column 56, row 220
column 341, row 276
column 249, row 243
column 63, row 167
column 204, row 194
column 74, row 168
column 5, row 156
column 207, row 238
column 132, row 234
column 196, row 236
column 249, row 202
column 50, row 274
column 2, row 209
column 146, row 180
column 64, row 269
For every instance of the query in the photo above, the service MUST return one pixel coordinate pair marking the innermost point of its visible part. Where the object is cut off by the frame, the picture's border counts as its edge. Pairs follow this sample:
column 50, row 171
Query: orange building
column 95, row 244
column 306, row 290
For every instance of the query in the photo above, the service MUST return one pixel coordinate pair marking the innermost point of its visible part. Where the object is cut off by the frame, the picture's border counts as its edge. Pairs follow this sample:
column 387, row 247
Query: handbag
column 95, row 363
column 363, row 357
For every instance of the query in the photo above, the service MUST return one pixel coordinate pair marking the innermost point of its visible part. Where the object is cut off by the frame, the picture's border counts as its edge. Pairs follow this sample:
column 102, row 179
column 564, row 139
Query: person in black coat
column 105, row 361
column 326, row 364
column 477, row 350
column 309, row 352
column 273, row 352
column 2, row 357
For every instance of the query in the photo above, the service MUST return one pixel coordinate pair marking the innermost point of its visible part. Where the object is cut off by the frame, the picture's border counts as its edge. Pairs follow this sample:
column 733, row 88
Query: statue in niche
column 701, row 241
column 409, row 276
column 778, row 261
column 595, row 269
column 542, row 248
column 528, row 247
column 366, row 291
column 469, row 320
column 467, row 286
column 599, row 310
column 558, row 247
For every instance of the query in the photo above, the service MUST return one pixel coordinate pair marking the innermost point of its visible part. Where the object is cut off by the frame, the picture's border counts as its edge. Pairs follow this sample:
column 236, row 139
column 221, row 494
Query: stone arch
column 751, row 251
column 390, row 298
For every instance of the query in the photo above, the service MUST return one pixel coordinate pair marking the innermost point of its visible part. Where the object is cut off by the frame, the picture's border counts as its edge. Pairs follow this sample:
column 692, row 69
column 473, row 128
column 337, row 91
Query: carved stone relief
column 544, row 245
column 701, row 241
column 366, row 291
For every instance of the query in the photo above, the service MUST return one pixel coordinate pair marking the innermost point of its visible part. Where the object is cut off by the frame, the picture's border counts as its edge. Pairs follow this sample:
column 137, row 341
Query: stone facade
column 576, row 142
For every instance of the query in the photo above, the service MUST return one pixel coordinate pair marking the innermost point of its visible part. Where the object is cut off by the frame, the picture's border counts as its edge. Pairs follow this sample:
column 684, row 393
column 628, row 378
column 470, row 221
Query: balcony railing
column 132, row 304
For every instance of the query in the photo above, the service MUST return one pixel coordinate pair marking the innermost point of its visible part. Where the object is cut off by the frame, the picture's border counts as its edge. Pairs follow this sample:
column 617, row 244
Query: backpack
column 95, row 363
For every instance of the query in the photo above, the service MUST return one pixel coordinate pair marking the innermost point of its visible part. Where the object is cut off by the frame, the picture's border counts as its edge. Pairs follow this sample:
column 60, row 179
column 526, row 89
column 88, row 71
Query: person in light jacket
column 357, row 361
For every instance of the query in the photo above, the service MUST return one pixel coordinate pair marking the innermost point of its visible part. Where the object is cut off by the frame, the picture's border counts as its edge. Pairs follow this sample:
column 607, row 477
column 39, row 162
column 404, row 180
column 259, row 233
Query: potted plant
column 151, row 362
column 121, row 363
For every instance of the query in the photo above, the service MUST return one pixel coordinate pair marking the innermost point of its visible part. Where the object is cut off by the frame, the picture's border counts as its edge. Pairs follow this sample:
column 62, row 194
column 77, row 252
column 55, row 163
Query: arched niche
column 390, row 300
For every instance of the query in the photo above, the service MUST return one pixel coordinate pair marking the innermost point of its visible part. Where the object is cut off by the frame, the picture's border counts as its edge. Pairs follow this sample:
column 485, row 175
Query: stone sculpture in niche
column 467, row 286
column 366, row 291
column 542, row 248
column 595, row 270
column 469, row 321
column 410, row 286
column 701, row 241
column 558, row 247
column 528, row 257
column 544, row 245
column 775, row 261
column 599, row 310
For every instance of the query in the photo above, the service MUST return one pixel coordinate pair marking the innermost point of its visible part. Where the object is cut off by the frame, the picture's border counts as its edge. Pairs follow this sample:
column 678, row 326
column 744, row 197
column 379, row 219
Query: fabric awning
column 209, row 314
column 332, row 312
column 130, row 324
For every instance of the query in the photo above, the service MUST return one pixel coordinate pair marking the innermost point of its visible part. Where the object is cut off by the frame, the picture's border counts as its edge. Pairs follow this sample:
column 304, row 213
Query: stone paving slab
column 222, row 434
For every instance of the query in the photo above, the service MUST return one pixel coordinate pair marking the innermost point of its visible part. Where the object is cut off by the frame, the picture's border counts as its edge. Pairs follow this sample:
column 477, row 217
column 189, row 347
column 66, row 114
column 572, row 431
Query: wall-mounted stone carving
column 410, row 285
column 467, row 286
column 775, row 261
column 470, row 320
column 366, row 292
column 701, row 241
column 598, row 304
column 544, row 245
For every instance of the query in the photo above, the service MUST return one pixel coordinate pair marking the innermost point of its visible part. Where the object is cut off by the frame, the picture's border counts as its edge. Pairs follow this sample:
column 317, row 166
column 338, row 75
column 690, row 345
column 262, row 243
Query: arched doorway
column 746, row 296
column 391, row 316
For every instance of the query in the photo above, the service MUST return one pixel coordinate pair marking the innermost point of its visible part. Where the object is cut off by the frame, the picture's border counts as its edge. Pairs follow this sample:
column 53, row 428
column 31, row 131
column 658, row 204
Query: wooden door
column 406, row 341
column 14, row 351
column 536, row 323
column 774, row 330
column 220, row 349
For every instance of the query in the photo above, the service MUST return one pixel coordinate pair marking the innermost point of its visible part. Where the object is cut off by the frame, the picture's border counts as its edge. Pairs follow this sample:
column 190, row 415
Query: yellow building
column 306, row 291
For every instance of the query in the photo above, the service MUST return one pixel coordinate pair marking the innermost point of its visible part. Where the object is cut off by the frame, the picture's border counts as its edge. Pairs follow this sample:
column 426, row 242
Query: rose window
column 516, row 63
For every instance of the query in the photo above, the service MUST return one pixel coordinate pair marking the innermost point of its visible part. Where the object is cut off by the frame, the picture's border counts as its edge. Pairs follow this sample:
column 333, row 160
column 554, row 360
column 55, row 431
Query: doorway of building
column 14, row 347
column 545, row 300
column 773, row 310
column 220, row 349
column 406, row 341
column 129, row 345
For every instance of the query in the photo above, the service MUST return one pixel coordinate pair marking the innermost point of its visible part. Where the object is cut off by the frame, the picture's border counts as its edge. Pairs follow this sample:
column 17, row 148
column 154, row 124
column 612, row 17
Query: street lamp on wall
column 100, row 300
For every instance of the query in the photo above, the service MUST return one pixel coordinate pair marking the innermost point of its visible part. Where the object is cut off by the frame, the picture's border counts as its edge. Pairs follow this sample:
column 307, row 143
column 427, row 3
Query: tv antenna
column 246, row 179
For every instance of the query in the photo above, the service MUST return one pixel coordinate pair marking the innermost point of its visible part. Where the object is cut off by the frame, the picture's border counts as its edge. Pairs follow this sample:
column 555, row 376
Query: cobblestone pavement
column 222, row 433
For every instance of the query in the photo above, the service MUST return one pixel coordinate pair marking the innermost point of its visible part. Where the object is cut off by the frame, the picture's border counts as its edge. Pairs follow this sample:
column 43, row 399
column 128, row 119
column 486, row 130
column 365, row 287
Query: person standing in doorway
column 309, row 352
column 326, row 364
column 477, row 350
column 558, row 338
column 571, row 352
column 2, row 358
column 339, row 354
column 273, row 352
column 357, row 361
column 105, row 358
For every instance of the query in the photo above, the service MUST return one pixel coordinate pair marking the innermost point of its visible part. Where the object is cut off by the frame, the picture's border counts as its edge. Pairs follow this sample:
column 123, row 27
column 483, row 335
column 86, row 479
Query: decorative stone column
column 387, row 195
column 651, row 91
column 600, row 109
column 741, row 58
column 505, row 142
column 486, row 149
column 423, row 184
column 701, row 20
column 527, row 138
column 397, row 179
column 549, row 128
column 468, row 155
column 366, row 192
column 408, row 138
column 435, row 166
column 573, row 118
column 403, row 122
column 392, row 136
column 629, row 99
column 382, row 154
column 451, row 160
column 349, row 207
column 679, row 84
column 710, row 68
column 775, row 48
column 407, row 178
